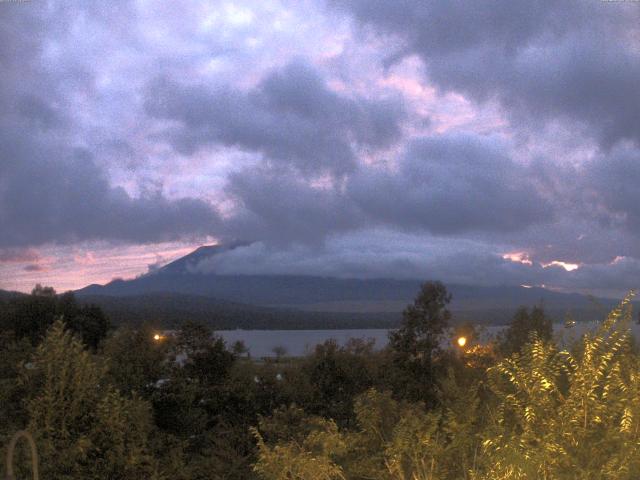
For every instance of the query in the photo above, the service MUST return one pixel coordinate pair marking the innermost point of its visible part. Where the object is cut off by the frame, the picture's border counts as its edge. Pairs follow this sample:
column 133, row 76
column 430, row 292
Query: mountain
column 326, row 295
column 8, row 295
column 189, row 263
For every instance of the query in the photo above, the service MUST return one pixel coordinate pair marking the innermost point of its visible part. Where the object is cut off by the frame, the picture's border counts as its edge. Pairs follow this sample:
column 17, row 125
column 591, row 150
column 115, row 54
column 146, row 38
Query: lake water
column 261, row 343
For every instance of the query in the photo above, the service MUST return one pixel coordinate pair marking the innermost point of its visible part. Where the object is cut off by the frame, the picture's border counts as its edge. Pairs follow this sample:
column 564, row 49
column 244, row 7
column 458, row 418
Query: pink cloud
column 18, row 255
column 85, row 258
column 70, row 268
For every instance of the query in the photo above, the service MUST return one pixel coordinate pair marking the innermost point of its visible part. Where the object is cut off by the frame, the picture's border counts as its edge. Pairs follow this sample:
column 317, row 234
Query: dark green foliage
column 416, row 345
column 239, row 348
column 305, row 447
column 188, row 407
column 30, row 316
column 522, row 326
column 542, row 413
column 137, row 361
column 13, row 357
column 207, row 359
column 390, row 439
column 206, row 408
column 90, row 323
column 336, row 375
column 83, row 427
column 185, row 401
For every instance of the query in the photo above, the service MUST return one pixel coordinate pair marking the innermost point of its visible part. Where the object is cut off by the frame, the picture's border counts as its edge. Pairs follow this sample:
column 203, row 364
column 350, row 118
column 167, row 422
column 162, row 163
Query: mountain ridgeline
column 181, row 290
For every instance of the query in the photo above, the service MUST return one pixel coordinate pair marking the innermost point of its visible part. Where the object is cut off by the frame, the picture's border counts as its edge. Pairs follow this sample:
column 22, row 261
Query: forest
column 439, row 402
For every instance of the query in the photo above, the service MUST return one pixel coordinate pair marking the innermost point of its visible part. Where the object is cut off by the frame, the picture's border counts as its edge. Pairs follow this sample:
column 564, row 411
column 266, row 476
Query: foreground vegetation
column 122, row 405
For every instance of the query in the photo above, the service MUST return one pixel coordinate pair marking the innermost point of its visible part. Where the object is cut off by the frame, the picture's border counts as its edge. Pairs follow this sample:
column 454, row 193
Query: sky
column 481, row 143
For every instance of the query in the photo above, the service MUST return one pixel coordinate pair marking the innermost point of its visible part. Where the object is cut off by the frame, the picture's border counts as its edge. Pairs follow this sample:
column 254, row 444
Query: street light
column 157, row 337
column 462, row 341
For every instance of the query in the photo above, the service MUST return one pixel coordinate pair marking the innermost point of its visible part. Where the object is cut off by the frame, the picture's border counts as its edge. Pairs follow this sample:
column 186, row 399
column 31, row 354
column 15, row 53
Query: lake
column 261, row 343
column 297, row 342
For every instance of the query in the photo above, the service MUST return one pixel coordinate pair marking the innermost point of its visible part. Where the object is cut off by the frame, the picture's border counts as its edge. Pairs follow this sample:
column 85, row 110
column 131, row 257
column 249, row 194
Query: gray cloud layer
column 571, row 60
column 442, row 185
column 416, row 257
column 328, row 150
column 614, row 180
column 453, row 184
column 291, row 117
column 51, row 191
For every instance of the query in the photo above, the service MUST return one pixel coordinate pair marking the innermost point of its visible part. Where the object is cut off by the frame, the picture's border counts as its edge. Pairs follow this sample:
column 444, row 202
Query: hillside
column 8, row 295
column 170, row 309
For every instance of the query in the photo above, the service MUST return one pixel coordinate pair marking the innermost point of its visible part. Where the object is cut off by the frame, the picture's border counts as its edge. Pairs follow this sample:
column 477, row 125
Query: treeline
column 30, row 316
column 137, row 405
column 169, row 310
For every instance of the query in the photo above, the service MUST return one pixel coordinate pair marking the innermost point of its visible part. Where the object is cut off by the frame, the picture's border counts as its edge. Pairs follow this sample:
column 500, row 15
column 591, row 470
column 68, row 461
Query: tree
column 202, row 406
column 302, row 447
column 392, row 440
column 522, row 326
column 87, row 321
column 186, row 403
column 335, row 375
column 416, row 343
column 13, row 355
column 206, row 358
column 136, row 361
column 83, row 426
column 239, row 348
column 565, row 415
column 40, row 291
column 279, row 351
column 90, row 324
column 31, row 316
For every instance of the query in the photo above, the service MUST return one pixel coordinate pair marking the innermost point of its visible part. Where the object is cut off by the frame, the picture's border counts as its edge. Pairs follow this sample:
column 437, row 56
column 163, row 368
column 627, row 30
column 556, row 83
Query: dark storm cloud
column 280, row 208
column 49, row 193
column 613, row 181
column 292, row 117
column 442, row 185
column 597, row 205
column 573, row 60
column 453, row 184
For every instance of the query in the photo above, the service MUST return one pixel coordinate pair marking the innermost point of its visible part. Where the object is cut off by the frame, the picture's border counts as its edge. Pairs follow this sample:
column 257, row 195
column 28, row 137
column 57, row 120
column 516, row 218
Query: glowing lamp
column 462, row 341
column 156, row 337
